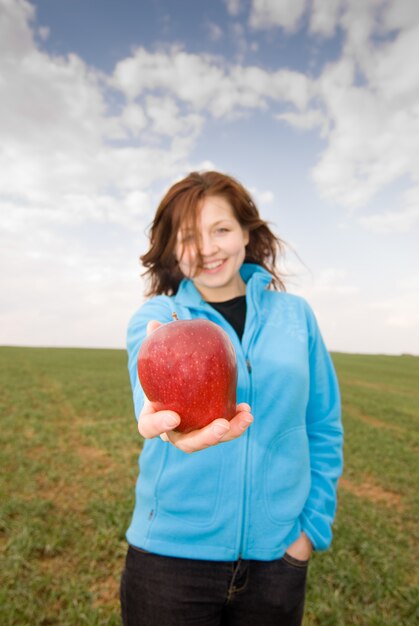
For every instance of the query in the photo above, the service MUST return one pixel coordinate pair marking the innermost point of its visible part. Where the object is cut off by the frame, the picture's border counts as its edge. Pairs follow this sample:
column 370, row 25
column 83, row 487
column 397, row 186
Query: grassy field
column 68, row 457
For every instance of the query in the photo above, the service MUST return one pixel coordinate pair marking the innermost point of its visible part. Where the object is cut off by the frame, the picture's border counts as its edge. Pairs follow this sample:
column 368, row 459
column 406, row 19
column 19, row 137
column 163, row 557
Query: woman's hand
column 153, row 423
column 301, row 549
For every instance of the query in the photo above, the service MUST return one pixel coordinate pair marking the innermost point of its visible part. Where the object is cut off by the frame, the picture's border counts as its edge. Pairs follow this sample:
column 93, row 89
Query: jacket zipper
column 250, row 393
column 252, row 331
column 243, row 508
column 243, row 512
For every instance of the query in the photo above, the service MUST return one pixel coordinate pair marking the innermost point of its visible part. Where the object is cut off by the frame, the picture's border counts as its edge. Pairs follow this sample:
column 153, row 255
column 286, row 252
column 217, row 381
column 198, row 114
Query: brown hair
column 179, row 206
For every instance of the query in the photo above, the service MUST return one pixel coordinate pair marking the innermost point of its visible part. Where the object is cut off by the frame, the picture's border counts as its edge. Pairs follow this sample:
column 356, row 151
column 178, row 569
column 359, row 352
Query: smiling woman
column 203, row 200
column 224, row 535
column 215, row 260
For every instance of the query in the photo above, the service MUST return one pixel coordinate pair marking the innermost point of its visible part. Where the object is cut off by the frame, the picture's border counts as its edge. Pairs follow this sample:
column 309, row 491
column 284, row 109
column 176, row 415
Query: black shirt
column 234, row 312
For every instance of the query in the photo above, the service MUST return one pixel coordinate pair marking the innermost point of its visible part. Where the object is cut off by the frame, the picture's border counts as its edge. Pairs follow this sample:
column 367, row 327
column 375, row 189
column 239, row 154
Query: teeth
column 212, row 266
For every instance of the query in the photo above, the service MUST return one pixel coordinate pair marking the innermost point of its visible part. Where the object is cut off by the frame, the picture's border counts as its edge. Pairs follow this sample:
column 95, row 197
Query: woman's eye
column 222, row 230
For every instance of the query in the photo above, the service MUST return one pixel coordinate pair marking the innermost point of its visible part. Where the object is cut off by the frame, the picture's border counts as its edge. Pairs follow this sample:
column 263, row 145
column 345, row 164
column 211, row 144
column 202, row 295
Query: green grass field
column 68, row 456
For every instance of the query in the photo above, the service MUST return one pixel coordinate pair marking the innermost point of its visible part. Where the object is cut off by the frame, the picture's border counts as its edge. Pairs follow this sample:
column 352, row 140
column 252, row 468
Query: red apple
column 189, row 366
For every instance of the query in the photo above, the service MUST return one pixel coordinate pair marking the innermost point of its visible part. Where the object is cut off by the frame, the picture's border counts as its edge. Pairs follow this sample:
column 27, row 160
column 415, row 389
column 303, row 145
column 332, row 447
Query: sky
column 312, row 104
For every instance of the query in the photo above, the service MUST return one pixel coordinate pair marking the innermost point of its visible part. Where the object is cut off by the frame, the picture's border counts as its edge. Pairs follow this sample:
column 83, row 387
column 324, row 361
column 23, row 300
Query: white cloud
column 400, row 14
column 43, row 33
column 215, row 32
column 271, row 13
column 363, row 152
column 15, row 33
column 56, row 156
column 365, row 105
column 133, row 118
column 234, row 6
column 382, row 68
column 266, row 197
column 205, row 83
column 238, row 35
column 310, row 118
column 167, row 119
column 324, row 16
column 192, row 77
column 262, row 197
column 287, row 14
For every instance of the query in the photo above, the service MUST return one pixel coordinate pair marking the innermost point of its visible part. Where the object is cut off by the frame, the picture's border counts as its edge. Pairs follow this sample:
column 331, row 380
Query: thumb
column 152, row 325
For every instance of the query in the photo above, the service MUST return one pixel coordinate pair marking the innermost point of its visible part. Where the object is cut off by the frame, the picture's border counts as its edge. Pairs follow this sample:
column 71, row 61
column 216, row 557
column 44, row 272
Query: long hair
column 180, row 206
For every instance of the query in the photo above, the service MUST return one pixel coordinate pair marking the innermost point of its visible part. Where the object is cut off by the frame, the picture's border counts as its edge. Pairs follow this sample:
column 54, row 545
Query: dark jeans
column 166, row 591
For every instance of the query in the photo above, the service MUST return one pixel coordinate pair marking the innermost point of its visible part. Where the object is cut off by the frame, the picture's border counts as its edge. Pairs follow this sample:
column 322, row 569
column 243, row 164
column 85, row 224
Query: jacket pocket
column 190, row 486
column 286, row 476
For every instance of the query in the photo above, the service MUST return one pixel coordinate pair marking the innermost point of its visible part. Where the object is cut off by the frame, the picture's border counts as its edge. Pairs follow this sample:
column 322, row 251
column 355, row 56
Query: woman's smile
column 211, row 267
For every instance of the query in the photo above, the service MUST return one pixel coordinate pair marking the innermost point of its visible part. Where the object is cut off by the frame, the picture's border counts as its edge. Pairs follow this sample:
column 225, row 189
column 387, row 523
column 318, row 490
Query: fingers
column 153, row 423
column 218, row 431
column 239, row 424
column 200, row 439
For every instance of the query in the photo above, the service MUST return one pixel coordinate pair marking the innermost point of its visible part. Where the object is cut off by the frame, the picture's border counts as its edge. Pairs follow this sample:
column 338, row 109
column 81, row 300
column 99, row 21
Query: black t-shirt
column 234, row 312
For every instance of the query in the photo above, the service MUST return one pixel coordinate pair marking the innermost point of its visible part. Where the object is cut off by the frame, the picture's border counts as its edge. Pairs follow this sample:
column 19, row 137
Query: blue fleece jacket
column 253, row 496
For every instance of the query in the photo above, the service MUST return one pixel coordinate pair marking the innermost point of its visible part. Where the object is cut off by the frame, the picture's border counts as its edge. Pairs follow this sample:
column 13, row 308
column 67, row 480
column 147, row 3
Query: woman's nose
column 208, row 245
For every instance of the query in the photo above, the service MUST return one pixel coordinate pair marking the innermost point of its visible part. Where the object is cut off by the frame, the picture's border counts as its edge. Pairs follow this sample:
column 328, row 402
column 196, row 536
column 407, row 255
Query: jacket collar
column 255, row 277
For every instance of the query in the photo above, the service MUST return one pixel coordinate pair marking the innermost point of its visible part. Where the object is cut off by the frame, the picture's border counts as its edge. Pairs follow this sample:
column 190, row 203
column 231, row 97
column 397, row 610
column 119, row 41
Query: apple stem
column 175, row 317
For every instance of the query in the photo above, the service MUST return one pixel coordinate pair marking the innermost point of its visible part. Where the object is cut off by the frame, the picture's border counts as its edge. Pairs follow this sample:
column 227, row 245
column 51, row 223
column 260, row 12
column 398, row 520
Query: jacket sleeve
column 325, row 435
column 159, row 309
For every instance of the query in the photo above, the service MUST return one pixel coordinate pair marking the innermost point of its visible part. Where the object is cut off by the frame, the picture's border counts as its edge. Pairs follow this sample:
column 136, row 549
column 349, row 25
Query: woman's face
column 222, row 243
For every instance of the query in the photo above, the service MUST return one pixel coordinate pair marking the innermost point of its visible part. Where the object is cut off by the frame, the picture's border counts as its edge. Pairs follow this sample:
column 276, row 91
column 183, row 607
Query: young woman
column 226, row 517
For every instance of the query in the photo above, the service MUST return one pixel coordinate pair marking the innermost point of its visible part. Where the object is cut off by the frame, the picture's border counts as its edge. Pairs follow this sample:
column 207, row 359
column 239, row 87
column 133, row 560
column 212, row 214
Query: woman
column 226, row 517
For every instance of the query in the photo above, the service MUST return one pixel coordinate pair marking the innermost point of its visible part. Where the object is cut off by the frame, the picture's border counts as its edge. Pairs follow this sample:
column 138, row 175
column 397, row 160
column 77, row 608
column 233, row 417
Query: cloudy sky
column 313, row 105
